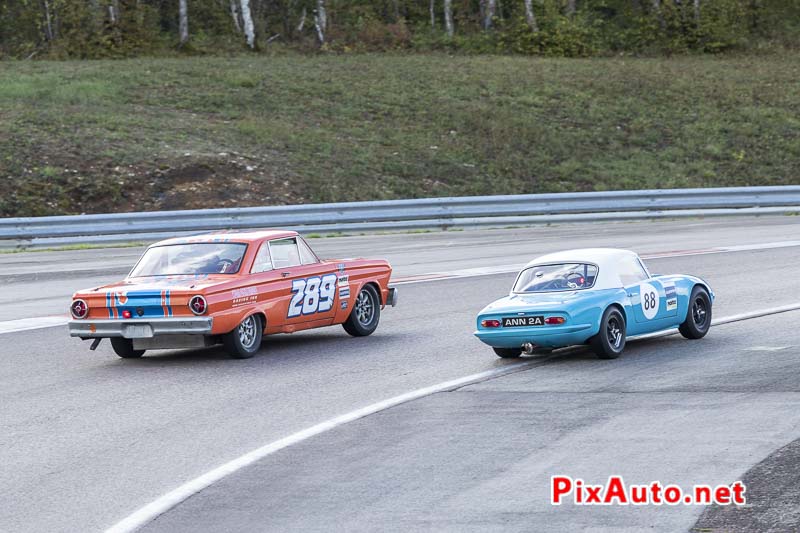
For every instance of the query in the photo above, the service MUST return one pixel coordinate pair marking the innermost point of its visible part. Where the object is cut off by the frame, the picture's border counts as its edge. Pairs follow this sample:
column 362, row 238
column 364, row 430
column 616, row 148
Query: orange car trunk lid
column 149, row 298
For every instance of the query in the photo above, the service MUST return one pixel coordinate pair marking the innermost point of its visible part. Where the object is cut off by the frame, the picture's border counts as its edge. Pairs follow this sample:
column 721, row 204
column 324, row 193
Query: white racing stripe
column 173, row 498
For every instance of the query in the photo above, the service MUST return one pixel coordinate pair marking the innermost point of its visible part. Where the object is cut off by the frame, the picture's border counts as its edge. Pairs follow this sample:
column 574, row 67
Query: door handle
column 286, row 274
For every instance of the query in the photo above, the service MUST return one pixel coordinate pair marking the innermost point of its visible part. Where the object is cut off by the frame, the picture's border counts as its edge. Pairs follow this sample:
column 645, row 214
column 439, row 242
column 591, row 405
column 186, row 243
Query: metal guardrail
column 404, row 214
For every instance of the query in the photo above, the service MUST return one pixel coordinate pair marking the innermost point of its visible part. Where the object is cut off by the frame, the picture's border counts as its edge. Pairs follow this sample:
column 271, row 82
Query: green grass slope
column 210, row 132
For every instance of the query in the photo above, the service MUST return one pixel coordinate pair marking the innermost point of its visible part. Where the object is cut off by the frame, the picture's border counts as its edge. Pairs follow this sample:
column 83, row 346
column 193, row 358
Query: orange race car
column 231, row 288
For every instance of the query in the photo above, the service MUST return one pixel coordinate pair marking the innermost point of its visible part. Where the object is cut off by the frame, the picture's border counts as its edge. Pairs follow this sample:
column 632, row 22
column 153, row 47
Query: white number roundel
column 649, row 300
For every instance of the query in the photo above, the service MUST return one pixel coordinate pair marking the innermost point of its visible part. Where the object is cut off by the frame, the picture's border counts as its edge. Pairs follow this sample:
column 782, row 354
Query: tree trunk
column 235, row 17
column 490, row 9
column 530, row 16
column 448, row 17
column 321, row 21
column 183, row 21
column 432, row 8
column 697, row 12
column 48, row 22
column 302, row 23
column 570, row 7
column 249, row 28
column 113, row 12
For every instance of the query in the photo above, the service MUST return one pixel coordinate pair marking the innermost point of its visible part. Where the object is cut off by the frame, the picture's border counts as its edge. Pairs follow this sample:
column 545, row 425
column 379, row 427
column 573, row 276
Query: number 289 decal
column 312, row 295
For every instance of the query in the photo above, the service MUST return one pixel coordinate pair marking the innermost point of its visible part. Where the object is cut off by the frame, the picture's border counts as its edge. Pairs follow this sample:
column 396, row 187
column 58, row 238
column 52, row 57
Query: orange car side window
column 284, row 253
column 263, row 261
column 307, row 256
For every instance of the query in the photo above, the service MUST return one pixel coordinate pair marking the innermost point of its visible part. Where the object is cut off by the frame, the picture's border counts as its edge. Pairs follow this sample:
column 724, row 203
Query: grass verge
column 147, row 134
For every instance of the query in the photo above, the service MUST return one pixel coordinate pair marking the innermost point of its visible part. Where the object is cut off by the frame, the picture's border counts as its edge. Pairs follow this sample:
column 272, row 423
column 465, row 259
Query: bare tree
column 432, row 8
column 302, row 23
column 697, row 11
column 321, row 21
column 448, row 17
column 570, row 7
column 183, row 21
column 235, row 16
column 249, row 28
column 530, row 16
column 48, row 21
column 113, row 11
column 489, row 12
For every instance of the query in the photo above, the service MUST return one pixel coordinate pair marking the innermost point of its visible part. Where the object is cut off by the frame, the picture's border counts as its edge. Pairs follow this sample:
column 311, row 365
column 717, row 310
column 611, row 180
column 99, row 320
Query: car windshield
column 556, row 277
column 190, row 259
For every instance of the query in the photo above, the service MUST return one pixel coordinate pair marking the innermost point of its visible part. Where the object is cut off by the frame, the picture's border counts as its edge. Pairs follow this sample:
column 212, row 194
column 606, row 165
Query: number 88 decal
column 312, row 295
column 650, row 300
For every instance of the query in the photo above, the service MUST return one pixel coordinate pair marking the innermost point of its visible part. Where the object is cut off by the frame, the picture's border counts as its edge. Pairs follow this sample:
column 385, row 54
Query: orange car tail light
column 554, row 320
column 79, row 309
column 198, row 305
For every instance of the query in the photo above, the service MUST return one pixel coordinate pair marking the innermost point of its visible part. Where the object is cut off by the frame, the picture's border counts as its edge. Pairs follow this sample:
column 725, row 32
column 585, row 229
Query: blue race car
column 595, row 296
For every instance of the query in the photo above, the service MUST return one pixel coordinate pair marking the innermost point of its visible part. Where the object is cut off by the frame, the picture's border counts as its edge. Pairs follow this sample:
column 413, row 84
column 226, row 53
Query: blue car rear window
column 556, row 277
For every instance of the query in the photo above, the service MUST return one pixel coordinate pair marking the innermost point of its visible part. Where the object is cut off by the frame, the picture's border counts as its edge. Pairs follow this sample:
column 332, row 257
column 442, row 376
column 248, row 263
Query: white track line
column 171, row 499
column 725, row 320
column 27, row 324
column 153, row 510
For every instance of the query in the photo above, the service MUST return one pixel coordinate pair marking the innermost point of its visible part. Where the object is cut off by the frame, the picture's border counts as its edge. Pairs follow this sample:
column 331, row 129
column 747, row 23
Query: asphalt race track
column 86, row 438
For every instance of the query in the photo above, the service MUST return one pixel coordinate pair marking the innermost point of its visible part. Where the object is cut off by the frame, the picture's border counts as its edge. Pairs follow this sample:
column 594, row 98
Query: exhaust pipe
column 529, row 348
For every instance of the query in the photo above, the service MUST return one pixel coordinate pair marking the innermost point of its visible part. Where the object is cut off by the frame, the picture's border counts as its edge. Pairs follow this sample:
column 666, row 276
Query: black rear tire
column 508, row 353
column 366, row 313
column 244, row 341
column 698, row 316
column 124, row 348
column 610, row 340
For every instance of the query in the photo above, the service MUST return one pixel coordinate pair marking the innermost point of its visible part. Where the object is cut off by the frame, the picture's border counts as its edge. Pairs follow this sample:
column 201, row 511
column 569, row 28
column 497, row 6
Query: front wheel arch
column 689, row 328
column 352, row 325
column 377, row 288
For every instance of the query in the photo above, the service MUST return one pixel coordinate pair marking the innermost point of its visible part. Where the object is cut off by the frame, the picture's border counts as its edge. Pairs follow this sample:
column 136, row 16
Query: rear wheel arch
column 263, row 317
column 609, row 342
column 618, row 306
column 245, row 342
